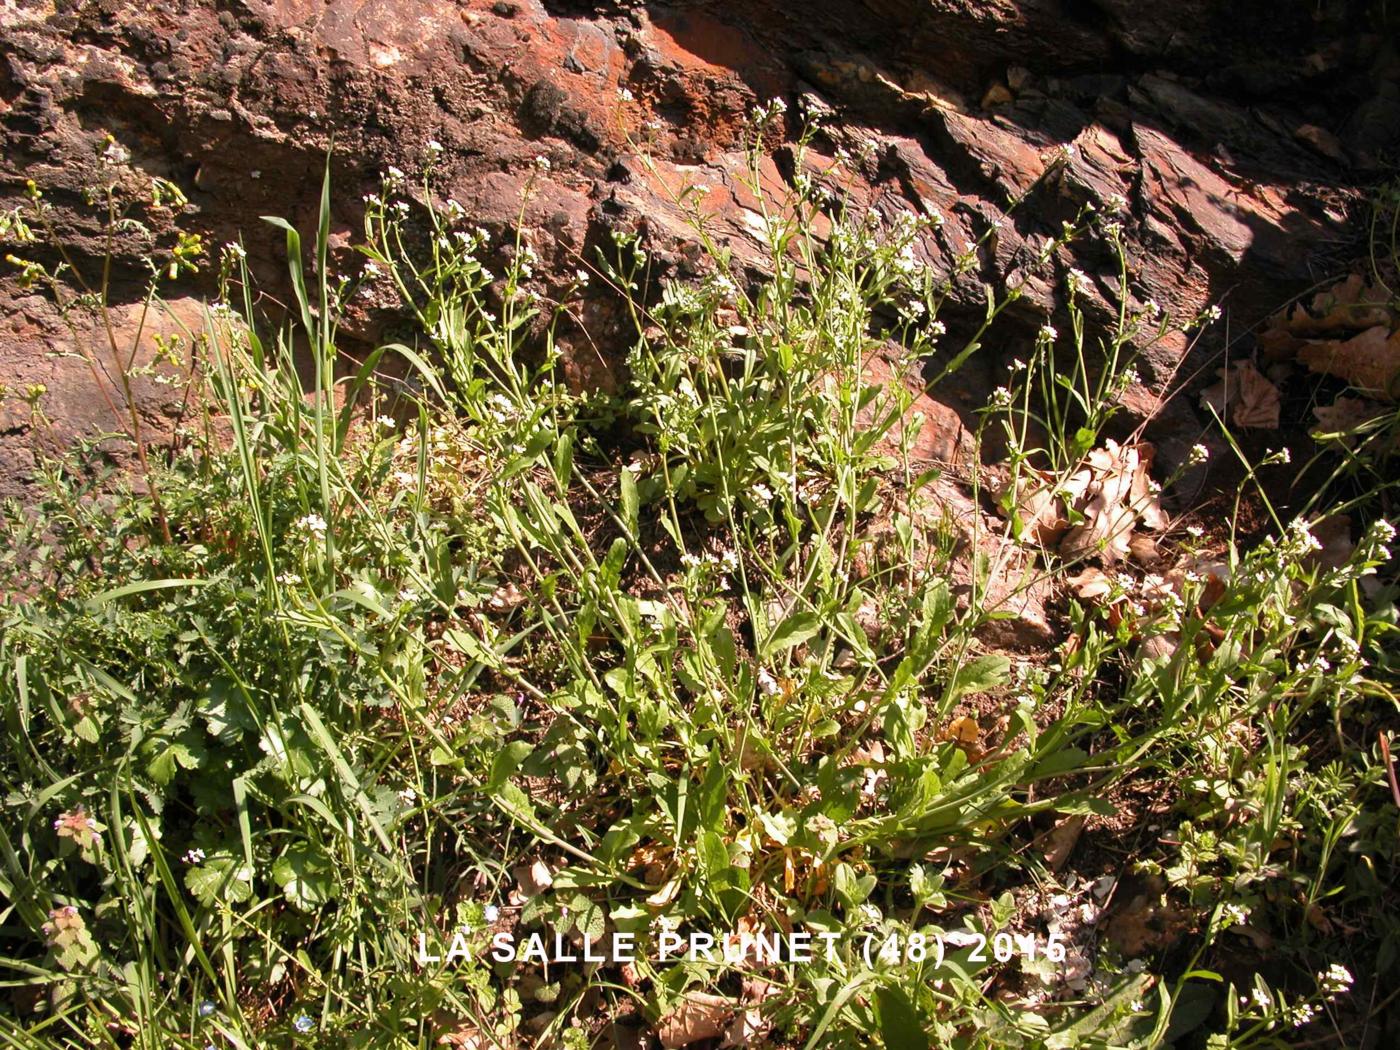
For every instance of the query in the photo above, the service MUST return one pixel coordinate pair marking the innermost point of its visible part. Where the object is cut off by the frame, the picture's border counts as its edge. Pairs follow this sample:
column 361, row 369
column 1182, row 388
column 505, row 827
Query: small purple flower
column 303, row 1023
column 206, row 1007
column 491, row 913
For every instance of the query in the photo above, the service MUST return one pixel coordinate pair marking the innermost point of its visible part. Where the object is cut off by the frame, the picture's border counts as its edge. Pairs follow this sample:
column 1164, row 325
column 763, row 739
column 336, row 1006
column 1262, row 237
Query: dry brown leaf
column 1113, row 491
column 1344, row 416
column 964, row 731
column 1213, row 573
column 1039, row 507
column 666, row 894
column 1109, row 514
column 464, row 1038
column 533, row 878
column 1093, row 582
column 1323, row 141
column 698, row 1016
column 1369, row 361
column 1244, row 396
column 1060, row 843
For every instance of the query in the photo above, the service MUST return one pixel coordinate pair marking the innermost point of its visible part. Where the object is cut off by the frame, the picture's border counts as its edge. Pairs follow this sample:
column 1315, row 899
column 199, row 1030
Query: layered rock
column 1236, row 143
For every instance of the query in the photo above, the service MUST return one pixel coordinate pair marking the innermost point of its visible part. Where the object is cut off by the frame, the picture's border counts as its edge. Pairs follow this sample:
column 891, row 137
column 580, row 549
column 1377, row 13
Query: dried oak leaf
column 1118, row 492
column 1343, row 417
column 1369, row 361
column 1092, row 583
column 1040, row 505
column 1244, row 396
column 698, row 1016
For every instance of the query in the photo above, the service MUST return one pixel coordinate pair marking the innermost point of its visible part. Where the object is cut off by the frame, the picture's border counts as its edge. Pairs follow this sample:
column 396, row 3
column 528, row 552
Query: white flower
column 625, row 94
column 288, row 579
column 1199, row 454
column 1115, row 202
column 581, row 276
column 1077, row 281
column 761, row 492
column 490, row 913
column 312, row 523
column 371, row 271
column 385, row 422
column 393, row 174
column 408, row 796
column 434, row 146
column 1048, row 333
column 1335, row 980
column 234, row 250
column 407, row 594
column 542, row 162
column 1235, row 915
column 1001, row 397
column 193, row 856
column 1018, row 365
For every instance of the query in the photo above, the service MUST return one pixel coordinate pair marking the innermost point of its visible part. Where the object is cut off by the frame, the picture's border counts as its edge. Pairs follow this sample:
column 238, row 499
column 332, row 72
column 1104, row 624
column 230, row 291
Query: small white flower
column 394, row 174
column 385, row 422
column 1048, row 333
column 234, row 250
column 1199, row 454
column 625, row 94
column 312, row 523
column 408, row 796
column 1001, row 397
column 1235, row 915
column 1114, row 203
column 490, row 913
column 542, row 162
column 193, row 856
column 1336, row 979
column 581, row 276
column 1018, row 365
column 434, row 146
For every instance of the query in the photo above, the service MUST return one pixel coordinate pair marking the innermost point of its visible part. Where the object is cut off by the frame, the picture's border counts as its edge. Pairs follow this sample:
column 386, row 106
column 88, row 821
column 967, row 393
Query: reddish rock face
column 959, row 107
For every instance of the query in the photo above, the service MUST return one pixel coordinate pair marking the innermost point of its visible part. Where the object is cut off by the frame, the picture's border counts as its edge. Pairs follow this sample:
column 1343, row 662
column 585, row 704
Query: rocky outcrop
column 1236, row 135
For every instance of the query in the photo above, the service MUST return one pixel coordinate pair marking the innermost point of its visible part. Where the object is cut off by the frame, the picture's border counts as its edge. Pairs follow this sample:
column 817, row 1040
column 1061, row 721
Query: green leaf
column 793, row 631
column 220, row 878
column 899, row 1022
column 507, row 761
column 631, row 506
column 305, row 877
column 981, row 675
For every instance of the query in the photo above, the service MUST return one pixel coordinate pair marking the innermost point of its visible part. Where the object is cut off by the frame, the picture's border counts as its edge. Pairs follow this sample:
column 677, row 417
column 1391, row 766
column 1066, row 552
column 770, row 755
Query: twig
column 1389, row 768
